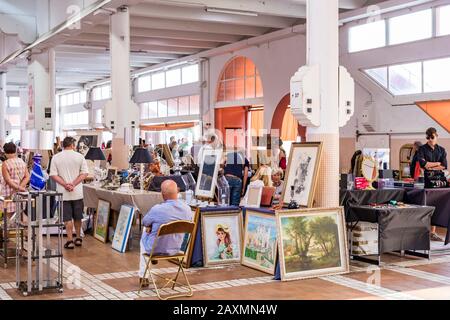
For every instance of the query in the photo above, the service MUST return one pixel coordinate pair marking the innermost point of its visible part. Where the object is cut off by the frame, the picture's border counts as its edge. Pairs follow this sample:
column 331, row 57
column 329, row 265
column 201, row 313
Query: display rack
column 7, row 233
column 34, row 212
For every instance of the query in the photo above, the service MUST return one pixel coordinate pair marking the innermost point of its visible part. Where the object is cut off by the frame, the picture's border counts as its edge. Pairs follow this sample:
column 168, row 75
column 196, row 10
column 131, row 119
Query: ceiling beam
column 200, row 15
column 196, row 26
column 174, row 34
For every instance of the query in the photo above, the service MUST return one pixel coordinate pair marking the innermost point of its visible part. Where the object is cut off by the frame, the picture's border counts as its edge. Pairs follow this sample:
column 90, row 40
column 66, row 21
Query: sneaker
column 435, row 237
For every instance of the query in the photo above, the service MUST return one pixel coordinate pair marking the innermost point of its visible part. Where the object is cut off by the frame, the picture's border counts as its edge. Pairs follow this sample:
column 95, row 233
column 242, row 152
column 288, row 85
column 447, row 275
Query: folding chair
column 176, row 227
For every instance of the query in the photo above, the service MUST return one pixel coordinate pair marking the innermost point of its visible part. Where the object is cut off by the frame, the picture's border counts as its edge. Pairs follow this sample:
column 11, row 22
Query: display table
column 399, row 229
column 438, row 198
column 197, row 252
column 365, row 197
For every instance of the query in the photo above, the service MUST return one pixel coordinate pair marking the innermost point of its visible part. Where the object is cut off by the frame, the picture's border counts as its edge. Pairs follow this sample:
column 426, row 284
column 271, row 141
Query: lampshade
column 141, row 155
column 95, row 153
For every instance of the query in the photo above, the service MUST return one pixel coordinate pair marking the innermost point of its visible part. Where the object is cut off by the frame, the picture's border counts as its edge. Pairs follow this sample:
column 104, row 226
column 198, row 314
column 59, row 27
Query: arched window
column 239, row 80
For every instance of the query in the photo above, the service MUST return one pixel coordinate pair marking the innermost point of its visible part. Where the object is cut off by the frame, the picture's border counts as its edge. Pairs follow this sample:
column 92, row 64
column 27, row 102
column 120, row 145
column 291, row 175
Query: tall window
column 436, row 75
column 13, row 102
column 101, row 92
column 76, row 119
column 367, row 36
column 443, row 21
column 181, row 106
column 73, row 98
column 411, row 27
column 169, row 78
column 405, row 79
column 240, row 80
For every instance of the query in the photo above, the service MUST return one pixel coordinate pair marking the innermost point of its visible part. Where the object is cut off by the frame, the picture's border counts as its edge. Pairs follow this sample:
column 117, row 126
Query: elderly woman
column 15, row 174
column 278, row 184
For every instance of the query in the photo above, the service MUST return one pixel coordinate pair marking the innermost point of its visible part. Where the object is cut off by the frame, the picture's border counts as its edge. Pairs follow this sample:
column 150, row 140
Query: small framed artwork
column 112, row 171
column 312, row 243
column 207, row 176
column 123, row 228
column 302, row 173
column 102, row 220
column 167, row 154
column 260, row 241
column 254, row 196
column 221, row 237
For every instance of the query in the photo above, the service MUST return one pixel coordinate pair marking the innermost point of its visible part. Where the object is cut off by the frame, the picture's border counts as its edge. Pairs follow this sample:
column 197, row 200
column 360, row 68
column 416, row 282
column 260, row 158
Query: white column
column 122, row 110
column 23, row 94
column 323, row 50
column 2, row 107
column 41, row 86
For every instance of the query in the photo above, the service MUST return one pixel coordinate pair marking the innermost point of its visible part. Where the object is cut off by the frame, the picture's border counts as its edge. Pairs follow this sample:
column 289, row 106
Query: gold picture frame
column 102, row 204
column 224, row 219
column 311, row 180
column 167, row 154
column 329, row 264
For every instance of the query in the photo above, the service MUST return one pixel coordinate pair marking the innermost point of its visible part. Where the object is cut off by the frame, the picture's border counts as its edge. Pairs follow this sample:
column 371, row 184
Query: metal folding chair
column 176, row 227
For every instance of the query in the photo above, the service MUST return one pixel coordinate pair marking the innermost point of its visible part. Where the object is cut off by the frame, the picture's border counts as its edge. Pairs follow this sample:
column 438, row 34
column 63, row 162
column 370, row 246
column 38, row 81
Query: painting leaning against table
column 312, row 243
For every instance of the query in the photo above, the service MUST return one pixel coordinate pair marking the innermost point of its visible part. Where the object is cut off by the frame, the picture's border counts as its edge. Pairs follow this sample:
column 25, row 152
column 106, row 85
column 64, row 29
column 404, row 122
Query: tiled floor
column 96, row 272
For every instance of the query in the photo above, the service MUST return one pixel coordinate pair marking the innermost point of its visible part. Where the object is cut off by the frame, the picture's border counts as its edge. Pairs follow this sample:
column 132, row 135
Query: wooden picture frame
column 207, row 176
column 292, row 264
column 260, row 242
column 254, row 195
column 102, row 214
column 123, row 228
column 215, row 253
column 112, row 171
column 301, row 174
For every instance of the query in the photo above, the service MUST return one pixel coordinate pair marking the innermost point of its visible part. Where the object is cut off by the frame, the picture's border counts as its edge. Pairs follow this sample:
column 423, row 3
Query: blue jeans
column 235, row 185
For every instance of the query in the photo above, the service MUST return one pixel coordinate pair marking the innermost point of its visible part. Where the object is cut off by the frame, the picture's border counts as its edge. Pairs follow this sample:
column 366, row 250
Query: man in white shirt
column 68, row 169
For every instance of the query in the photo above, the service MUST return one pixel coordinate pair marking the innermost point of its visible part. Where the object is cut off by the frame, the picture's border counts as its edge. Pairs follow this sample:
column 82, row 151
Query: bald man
column 170, row 210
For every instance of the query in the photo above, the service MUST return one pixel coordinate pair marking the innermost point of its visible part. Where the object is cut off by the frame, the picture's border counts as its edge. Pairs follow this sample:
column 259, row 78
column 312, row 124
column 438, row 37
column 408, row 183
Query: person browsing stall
column 432, row 156
column 414, row 166
column 68, row 169
column 170, row 210
column 236, row 172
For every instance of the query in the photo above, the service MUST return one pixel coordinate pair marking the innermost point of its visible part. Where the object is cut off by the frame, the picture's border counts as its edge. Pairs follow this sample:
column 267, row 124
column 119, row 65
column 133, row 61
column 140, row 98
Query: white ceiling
column 166, row 30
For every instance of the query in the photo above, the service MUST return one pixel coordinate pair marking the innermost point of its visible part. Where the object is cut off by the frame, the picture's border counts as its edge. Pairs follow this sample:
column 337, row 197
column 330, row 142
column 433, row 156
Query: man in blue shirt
column 170, row 210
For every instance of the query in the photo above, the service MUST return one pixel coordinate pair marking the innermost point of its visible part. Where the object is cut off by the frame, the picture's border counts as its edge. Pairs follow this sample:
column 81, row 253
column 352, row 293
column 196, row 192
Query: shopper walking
column 69, row 169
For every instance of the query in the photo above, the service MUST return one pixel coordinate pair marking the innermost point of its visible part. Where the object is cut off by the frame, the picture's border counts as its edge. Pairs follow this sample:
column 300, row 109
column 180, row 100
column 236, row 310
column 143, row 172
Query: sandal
column 69, row 245
column 78, row 242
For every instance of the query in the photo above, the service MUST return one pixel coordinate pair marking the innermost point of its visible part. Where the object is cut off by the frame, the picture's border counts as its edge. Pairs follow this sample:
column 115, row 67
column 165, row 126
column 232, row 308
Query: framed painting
column 302, row 173
column 312, row 243
column 123, row 228
column 112, row 171
column 221, row 237
column 259, row 249
column 167, row 154
column 254, row 196
column 86, row 139
column 207, row 176
column 102, row 221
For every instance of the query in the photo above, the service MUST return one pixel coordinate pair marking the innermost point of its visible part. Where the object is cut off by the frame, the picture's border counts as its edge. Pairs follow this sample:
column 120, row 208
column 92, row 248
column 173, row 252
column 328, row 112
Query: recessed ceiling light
column 227, row 11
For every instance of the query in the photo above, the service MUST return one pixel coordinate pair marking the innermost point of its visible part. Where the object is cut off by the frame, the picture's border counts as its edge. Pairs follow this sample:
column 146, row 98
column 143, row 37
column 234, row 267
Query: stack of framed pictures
column 123, row 228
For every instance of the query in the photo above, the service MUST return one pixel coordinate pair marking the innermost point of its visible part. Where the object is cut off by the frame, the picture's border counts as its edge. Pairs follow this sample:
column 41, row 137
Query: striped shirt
column 16, row 168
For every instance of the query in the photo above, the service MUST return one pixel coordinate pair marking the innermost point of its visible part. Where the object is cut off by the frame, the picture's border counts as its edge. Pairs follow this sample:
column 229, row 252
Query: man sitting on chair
column 170, row 210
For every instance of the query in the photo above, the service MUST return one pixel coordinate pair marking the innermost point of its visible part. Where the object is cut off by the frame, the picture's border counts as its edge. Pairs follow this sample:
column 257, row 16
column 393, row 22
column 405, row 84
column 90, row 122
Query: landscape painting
column 312, row 243
column 260, row 242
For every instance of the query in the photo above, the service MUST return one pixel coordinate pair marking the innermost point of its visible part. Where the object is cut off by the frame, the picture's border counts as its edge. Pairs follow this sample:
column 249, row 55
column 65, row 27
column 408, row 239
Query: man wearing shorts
column 68, row 169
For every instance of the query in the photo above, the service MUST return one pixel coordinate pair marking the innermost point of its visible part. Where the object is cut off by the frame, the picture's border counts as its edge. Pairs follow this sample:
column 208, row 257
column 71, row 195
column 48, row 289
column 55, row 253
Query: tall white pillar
column 41, row 89
column 122, row 110
column 323, row 50
column 2, row 107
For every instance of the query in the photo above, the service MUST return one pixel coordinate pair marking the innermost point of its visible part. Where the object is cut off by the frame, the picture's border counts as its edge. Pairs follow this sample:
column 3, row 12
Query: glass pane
column 98, row 115
column 144, row 111
column 259, row 88
column 249, row 68
column 162, row 108
column 14, row 119
column 221, row 92
column 250, row 86
column 183, row 106
column 436, row 75
column 173, row 78
column 153, row 110
column 410, row 27
column 83, row 96
column 379, row 75
column 14, row 102
column 239, row 67
column 229, row 71
column 190, row 74
column 229, row 90
column 106, row 92
column 194, row 104
column 405, row 79
column 97, row 94
column 63, row 100
column 172, row 107
column 85, row 117
column 367, row 36
column 144, row 84
column 70, row 99
column 443, row 27
column 158, row 81
column 240, row 94
column 76, row 98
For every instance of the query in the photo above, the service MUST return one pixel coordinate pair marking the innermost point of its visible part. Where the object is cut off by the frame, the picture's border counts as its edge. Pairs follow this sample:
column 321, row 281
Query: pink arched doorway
column 284, row 121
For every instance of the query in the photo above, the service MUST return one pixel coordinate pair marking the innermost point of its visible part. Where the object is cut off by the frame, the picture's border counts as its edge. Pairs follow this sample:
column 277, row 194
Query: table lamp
column 141, row 156
column 95, row 153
